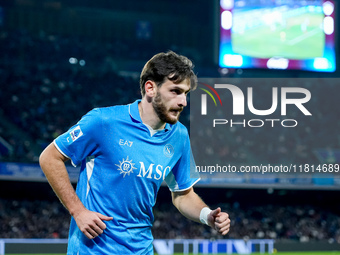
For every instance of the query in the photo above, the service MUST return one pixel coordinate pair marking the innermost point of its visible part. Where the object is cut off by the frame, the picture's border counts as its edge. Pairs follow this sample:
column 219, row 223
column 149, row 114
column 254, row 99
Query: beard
column 162, row 112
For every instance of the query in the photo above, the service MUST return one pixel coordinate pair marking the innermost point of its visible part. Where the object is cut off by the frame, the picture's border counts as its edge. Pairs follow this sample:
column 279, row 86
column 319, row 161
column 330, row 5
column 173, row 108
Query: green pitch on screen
column 284, row 253
column 278, row 253
column 300, row 37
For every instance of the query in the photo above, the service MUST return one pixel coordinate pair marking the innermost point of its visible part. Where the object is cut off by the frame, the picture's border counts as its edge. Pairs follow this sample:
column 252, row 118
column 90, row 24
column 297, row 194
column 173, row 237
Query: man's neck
column 149, row 116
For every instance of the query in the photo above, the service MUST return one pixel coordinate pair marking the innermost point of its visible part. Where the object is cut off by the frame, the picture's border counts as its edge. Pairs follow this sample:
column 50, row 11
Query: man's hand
column 91, row 223
column 52, row 162
column 219, row 221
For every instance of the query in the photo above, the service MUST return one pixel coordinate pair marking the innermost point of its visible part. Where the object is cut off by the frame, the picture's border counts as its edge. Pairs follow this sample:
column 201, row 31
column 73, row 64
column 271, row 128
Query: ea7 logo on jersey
column 123, row 142
column 76, row 133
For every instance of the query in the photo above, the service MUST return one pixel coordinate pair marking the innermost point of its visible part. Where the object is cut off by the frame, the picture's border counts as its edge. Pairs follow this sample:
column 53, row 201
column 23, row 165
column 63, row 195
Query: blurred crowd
column 44, row 219
column 258, row 222
column 48, row 82
column 33, row 219
column 246, row 143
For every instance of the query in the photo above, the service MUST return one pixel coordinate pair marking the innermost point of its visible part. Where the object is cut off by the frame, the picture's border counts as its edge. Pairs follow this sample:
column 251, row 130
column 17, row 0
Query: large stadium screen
column 278, row 34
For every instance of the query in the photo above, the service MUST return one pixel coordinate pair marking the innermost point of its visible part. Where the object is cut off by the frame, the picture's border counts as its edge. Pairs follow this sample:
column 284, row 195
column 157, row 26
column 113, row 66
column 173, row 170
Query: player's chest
column 138, row 157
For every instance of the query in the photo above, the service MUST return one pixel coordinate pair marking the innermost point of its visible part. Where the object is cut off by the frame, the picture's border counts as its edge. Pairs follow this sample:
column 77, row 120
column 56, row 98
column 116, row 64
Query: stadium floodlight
column 321, row 63
column 227, row 4
column 233, row 60
column 277, row 63
column 226, row 20
column 73, row 61
column 328, row 8
column 328, row 25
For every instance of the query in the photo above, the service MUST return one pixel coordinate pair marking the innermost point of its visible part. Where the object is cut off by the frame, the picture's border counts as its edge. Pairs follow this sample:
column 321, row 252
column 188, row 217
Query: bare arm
column 53, row 166
column 52, row 163
column 190, row 205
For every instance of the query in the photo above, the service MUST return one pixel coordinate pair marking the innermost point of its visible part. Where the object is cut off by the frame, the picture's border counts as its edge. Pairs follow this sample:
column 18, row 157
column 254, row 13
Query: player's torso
column 130, row 166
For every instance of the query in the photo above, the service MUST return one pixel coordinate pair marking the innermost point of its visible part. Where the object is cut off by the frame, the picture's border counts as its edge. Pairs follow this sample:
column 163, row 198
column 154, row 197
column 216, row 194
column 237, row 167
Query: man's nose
column 182, row 100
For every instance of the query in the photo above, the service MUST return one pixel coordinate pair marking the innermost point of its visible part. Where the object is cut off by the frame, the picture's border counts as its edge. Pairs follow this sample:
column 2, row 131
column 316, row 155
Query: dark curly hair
column 171, row 66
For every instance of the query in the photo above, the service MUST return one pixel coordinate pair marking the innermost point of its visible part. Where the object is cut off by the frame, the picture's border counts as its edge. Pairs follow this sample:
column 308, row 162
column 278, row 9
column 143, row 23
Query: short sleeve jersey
column 122, row 169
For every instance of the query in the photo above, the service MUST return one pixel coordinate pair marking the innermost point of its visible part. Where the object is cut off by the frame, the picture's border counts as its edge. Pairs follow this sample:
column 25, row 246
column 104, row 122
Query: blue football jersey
column 122, row 168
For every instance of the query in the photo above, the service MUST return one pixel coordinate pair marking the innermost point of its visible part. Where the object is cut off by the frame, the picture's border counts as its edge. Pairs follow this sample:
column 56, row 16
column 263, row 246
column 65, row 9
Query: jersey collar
column 134, row 113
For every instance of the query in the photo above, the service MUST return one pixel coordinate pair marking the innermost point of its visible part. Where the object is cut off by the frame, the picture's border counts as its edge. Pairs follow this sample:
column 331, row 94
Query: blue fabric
column 122, row 168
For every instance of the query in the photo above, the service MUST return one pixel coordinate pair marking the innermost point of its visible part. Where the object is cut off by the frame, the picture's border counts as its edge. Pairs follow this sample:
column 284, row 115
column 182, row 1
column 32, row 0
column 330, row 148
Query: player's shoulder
column 180, row 129
column 114, row 109
column 110, row 112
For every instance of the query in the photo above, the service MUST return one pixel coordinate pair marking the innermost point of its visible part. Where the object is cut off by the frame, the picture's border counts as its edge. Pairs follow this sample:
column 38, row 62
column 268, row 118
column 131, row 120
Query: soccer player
column 125, row 153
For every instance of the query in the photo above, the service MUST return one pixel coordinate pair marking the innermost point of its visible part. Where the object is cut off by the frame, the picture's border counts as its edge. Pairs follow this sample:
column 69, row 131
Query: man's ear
column 150, row 88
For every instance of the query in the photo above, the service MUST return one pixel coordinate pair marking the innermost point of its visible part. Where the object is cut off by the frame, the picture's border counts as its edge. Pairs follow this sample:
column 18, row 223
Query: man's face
column 170, row 100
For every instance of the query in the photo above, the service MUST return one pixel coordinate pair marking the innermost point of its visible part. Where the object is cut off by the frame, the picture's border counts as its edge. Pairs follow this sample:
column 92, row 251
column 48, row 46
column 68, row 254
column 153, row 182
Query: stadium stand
column 40, row 73
column 36, row 85
column 301, row 216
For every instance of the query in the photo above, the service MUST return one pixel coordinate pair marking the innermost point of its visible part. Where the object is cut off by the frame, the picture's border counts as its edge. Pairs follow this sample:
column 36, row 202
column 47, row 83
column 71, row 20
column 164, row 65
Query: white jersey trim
column 55, row 144
column 89, row 171
column 151, row 130
column 179, row 190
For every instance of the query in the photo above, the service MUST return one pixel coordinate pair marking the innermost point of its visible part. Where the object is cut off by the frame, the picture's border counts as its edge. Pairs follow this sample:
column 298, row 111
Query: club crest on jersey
column 76, row 133
column 126, row 166
column 168, row 150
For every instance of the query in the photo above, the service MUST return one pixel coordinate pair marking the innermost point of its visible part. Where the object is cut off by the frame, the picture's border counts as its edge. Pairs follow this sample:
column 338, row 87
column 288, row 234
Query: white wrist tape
column 204, row 215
